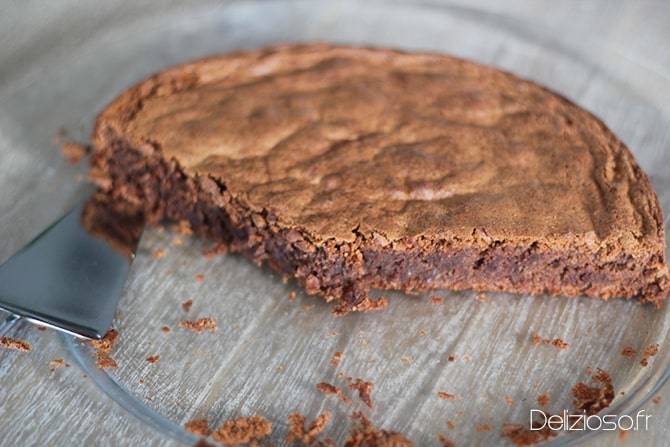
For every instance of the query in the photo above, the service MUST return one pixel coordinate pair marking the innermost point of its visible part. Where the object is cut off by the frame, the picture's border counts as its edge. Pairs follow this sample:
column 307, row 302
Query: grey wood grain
column 212, row 375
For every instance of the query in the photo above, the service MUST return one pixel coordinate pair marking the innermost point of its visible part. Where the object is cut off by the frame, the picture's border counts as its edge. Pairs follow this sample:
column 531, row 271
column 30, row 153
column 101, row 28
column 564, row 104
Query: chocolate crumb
column 436, row 300
column 306, row 436
column 216, row 250
column 446, row 396
column 15, row 344
column 556, row 342
column 243, row 430
column 104, row 361
column 559, row 344
column 186, row 305
column 203, row 443
column 182, row 227
column 451, row 358
column 74, row 152
column 153, row 359
column 649, row 351
column 445, row 442
column 327, row 388
column 103, row 349
column 198, row 427
column 165, row 329
column 656, row 400
column 41, row 328
column 199, row 325
column 364, row 434
column 522, row 436
column 336, row 358
column 56, row 364
column 367, row 305
column 592, row 399
column 363, row 388
column 628, row 352
column 543, row 399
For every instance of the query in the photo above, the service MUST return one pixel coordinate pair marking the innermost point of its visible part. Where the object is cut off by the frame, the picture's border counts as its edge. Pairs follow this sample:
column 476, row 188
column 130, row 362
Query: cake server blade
column 72, row 275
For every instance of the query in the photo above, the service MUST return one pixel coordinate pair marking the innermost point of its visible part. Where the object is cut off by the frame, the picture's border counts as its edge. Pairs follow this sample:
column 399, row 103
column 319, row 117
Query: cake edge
column 344, row 272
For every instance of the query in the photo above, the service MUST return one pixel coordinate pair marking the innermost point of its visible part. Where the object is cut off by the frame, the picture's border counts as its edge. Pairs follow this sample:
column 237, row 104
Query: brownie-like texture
column 353, row 168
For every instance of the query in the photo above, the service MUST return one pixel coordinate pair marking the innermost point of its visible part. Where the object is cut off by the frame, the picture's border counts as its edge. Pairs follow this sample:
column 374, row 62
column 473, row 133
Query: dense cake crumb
column 158, row 254
column 593, row 399
column 436, row 300
column 182, row 227
column 628, row 352
column 365, row 434
column 103, row 349
column 522, row 436
column 306, row 435
column 364, row 389
column 186, row 305
column 198, row 427
column 199, row 325
column 543, row 399
column 447, row 396
column 649, row 351
column 656, row 400
column 153, row 359
column 15, row 344
column 370, row 305
column 243, row 430
column 73, row 152
column 165, row 329
column 556, row 342
column 445, row 442
column 56, row 364
column 450, row 424
column 199, row 277
column 328, row 389
column 216, row 250
column 480, row 428
column 336, row 358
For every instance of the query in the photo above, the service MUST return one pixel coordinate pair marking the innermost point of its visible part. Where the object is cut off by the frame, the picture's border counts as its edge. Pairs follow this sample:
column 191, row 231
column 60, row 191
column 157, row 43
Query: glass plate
column 269, row 352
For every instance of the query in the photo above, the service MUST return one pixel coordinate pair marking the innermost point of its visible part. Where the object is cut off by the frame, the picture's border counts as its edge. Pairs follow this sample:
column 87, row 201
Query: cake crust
column 353, row 168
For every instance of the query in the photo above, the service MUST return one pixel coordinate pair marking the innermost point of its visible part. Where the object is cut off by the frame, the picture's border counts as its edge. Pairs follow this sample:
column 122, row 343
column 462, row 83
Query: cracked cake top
column 339, row 140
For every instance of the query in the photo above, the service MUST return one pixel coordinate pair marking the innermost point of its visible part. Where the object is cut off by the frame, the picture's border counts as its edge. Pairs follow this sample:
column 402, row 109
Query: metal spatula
column 71, row 276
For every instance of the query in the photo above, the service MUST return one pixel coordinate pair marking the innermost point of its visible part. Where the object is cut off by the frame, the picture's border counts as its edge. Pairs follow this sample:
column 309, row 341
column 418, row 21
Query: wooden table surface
column 41, row 407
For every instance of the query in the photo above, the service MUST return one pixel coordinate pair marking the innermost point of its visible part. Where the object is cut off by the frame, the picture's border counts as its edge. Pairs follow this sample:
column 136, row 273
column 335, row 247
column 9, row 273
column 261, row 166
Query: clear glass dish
column 269, row 352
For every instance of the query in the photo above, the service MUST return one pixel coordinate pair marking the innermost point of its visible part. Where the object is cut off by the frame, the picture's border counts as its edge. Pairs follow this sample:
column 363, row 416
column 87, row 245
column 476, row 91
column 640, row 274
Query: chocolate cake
column 352, row 169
